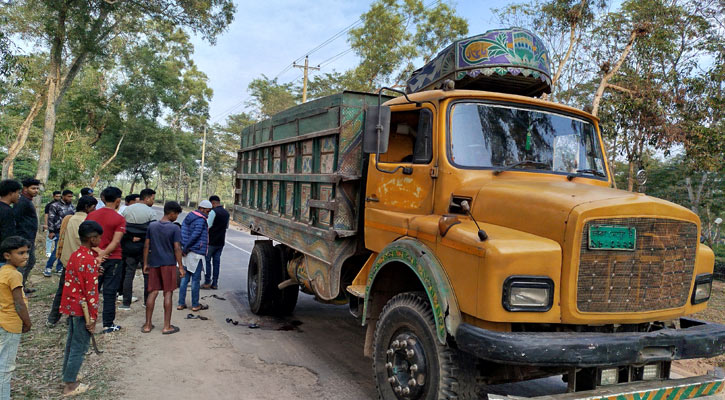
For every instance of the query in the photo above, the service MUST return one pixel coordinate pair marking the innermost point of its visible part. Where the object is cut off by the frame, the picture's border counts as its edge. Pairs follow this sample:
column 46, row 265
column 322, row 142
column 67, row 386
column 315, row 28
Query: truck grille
column 656, row 276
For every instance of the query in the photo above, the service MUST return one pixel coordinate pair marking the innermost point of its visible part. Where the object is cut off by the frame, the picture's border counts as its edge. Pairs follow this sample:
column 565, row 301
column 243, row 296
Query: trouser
column 48, row 245
column 31, row 263
column 195, row 281
column 131, row 263
column 54, row 315
column 9, row 343
column 213, row 261
column 53, row 258
column 76, row 346
column 108, row 285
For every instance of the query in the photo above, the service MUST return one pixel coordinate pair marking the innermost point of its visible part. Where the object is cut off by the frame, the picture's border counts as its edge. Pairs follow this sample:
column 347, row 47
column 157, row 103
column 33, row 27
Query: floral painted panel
column 305, row 195
column 290, row 158
column 277, row 161
column 325, row 195
column 275, row 198
column 289, row 199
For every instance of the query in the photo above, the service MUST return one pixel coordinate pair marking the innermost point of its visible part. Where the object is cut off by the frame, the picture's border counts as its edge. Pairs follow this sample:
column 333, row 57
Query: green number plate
column 612, row 237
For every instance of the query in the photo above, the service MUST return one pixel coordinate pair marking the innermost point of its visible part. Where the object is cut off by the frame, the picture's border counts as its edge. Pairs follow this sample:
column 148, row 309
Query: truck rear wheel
column 287, row 299
column 262, row 277
column 408, row 360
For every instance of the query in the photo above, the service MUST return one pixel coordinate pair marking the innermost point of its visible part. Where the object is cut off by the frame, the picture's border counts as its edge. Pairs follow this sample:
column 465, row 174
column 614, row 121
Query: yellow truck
column 474, row 230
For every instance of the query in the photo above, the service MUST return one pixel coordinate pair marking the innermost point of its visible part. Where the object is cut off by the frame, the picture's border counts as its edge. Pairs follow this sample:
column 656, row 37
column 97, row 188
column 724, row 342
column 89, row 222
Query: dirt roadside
column 199, row 359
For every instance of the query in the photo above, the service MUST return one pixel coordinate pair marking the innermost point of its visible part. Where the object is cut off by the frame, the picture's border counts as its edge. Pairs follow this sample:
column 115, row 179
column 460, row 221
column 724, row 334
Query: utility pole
column 304, row 81
column 201, row 169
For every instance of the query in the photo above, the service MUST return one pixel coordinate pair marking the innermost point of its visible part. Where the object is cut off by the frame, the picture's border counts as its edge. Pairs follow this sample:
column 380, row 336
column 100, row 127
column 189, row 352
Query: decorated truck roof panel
column 510, row 60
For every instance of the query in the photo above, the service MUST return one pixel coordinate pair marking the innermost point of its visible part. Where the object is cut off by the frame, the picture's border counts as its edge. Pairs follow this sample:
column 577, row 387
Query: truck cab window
column 410, row 137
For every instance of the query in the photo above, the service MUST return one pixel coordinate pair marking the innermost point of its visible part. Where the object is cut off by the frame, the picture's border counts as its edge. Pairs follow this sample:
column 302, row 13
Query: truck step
column 357, row 290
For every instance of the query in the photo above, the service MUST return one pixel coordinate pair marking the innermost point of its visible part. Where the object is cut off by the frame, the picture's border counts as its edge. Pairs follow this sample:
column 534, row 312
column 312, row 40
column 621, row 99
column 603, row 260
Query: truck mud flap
column 675, row 389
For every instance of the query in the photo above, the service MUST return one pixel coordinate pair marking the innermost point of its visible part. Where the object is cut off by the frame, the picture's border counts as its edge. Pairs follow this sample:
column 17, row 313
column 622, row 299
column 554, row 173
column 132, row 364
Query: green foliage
column 271, row 97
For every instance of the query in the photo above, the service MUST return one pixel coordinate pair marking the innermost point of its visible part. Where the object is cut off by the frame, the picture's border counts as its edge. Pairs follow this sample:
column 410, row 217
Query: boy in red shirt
column 81, row 286
column 110, row 275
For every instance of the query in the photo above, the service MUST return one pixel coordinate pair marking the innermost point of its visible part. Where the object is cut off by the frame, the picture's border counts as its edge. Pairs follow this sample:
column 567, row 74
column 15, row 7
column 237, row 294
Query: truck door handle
column 373, row 199
column 407, row 170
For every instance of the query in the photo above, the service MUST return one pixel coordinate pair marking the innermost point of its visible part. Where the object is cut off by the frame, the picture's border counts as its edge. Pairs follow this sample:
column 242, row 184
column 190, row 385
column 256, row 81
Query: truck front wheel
column 262, row 277
column 408, row 360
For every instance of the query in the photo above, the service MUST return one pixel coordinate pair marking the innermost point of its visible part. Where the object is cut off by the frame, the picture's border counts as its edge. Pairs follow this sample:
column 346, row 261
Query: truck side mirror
column 374, row 141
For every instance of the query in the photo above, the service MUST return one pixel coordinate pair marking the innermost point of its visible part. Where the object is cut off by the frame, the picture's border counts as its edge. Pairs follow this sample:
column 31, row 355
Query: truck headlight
column 528, row 293
column 703, row 287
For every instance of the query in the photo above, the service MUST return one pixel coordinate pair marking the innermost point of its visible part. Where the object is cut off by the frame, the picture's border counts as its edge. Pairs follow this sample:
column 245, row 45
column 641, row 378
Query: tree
column 76, row 31
column 271, row 97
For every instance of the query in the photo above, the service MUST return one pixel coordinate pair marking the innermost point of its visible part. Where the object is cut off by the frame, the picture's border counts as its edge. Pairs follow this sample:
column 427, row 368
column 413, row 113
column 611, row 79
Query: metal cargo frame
column 299, row 181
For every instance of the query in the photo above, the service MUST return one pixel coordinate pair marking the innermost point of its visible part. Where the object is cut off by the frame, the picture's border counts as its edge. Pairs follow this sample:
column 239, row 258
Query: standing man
column 68, row 243
column 9, row 194
column 138, row 217
column 218, row 224
column 49, row 241
column 194, row 243
column 27, row 223
column 114, row 226
column 129, row 200
column 57, row 212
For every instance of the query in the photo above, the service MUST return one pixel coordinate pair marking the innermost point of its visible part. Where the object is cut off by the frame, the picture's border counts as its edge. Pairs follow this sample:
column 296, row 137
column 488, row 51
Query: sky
column 267, row 36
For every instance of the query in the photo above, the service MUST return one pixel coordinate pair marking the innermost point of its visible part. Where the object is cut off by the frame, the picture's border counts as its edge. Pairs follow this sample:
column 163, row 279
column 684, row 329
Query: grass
column 715, row 312
column 40, row 356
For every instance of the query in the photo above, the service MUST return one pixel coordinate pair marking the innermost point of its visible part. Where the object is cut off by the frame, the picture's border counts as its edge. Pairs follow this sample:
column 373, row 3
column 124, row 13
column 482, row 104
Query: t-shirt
column 8, row 226
column 10, row 279
column 139, row 213
column 162, row 235
column 47, row 206
column 111, row 222
column 81, row 284
column 26, row 218
column 71, row 240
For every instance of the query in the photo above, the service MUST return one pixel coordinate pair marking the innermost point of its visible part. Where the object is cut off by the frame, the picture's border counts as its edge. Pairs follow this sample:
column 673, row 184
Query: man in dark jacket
column 194, row 243
column 26, row 219
column 56, row 212
column 9, row 194
column 218, row 224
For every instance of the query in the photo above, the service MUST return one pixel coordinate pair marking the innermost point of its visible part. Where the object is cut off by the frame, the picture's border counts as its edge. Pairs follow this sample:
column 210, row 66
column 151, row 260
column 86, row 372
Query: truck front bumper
column 696, row 339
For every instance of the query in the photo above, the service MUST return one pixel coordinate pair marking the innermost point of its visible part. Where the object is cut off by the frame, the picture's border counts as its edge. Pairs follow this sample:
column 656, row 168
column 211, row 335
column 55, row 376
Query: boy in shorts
column 14, row 317
column 161, row 258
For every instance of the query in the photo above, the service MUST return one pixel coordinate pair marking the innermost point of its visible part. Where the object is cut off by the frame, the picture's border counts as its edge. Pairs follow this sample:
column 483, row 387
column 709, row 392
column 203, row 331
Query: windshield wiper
column 586, row 171
column 520, row 163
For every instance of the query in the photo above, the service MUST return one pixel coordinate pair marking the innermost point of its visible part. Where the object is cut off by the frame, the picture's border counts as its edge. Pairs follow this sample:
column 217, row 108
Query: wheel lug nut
column 414, row 368
column 412, row 382
column 391, row 379
column 398, row 389
column 389, row 365
column 409, row 353
column 395, row 344
column 406, row 390
column 390, row 352
column 411, row 342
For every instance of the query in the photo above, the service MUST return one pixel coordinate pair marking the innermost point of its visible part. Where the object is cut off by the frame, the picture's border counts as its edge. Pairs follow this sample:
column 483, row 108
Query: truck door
column 392, row 198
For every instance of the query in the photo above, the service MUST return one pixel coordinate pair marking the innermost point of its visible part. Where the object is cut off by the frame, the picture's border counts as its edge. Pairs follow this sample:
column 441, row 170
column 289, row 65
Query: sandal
column 147, row 331
column 192, row 316
column 201, row 307
column 81, row 388
column 173, row 330
column 181, row 307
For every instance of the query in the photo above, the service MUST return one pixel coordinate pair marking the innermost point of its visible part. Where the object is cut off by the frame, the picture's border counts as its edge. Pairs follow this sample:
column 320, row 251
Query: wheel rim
column 405, row 366
column 252, row 284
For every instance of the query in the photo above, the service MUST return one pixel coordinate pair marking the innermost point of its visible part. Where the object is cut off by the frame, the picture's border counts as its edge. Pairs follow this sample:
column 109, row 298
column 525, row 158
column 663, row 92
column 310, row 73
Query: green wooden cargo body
column 300, row 180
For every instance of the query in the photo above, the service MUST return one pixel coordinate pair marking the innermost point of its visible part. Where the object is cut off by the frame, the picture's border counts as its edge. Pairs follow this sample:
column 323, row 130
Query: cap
column 205, row 204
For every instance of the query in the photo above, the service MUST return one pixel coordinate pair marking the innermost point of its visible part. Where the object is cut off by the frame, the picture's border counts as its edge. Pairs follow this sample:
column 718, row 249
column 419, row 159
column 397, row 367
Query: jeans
column 76, row 346
column 213, row 260
column 54, row 315
column 195, row 281
column 132, row 263
column 31, row 263
column 52, row 258
column 48, row 244
column 108, row 285
column 9, row 343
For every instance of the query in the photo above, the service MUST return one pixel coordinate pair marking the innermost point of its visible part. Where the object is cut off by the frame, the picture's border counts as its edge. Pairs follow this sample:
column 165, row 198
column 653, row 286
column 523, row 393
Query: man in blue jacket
column 194, row 246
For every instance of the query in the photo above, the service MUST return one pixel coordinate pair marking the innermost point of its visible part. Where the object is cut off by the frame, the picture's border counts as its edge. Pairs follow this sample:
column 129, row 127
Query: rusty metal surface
column 656, row 276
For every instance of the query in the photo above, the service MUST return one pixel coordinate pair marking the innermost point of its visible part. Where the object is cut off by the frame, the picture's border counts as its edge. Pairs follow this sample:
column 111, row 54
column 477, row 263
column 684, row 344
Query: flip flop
column 173, row 330
column 192, row 316
column 147, row 331
column 201, row 307
column 181, row 308
column 81, row 388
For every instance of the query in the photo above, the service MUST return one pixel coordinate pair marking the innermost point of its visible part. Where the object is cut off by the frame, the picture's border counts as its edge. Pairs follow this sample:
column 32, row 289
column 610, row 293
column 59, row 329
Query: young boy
column 161, row 257
column 81, row 288
column 14, row 317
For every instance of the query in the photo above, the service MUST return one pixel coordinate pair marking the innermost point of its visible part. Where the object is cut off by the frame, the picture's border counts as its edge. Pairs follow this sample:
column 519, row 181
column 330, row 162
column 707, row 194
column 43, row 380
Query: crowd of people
column 96, row 248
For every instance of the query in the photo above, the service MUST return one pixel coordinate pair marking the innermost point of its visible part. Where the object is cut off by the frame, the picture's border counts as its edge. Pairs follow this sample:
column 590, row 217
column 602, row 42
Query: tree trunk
column 105, row 164
column 630, row 177
column 23, row 133
column 607, row 76
column 695, row 195
column 560, row 67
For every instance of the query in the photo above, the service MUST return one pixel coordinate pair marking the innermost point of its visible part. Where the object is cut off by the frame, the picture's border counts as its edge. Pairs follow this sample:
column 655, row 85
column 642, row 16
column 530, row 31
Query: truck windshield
column 495, row 136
